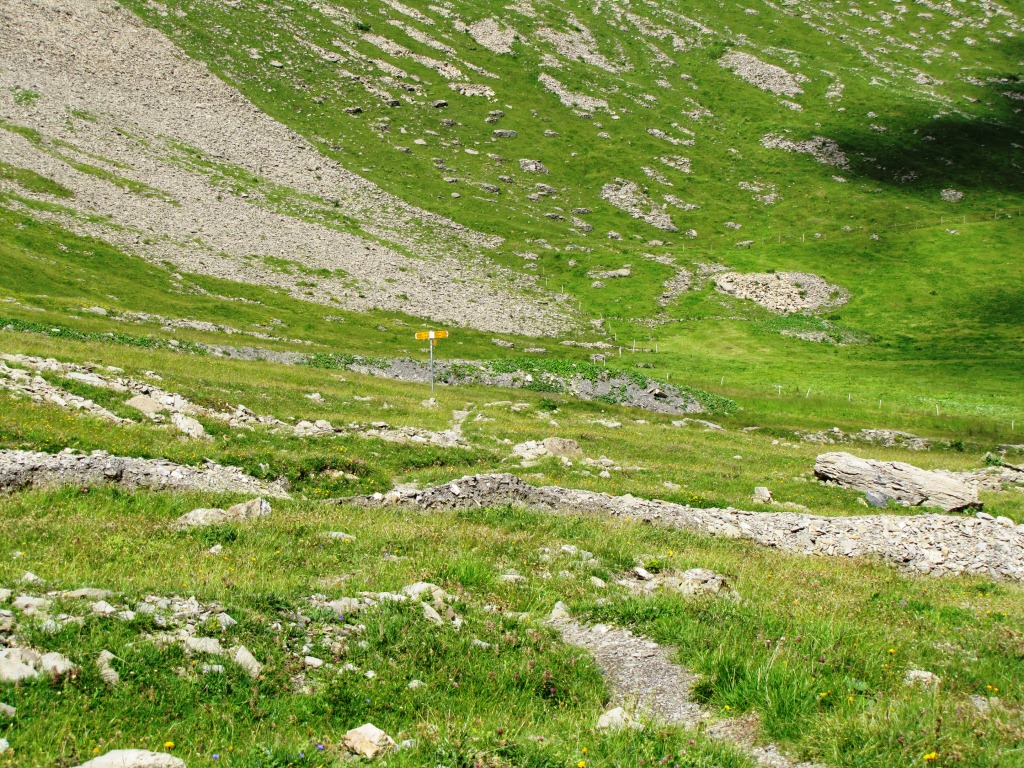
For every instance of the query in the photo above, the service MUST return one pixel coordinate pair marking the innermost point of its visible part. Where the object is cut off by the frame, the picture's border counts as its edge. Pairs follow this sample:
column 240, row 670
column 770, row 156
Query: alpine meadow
column 521, row 384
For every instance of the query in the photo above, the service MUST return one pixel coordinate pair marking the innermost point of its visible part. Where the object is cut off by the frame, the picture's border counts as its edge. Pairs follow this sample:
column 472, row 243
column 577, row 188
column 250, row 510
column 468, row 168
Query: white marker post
column 432, row 336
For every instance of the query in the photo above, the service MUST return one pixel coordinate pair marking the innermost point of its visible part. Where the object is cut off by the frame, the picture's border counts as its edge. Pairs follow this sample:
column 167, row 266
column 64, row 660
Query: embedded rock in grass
column 246, row 661
column 189, row 427
column 762, row 495
column 146, row 404
column 199, row 518
column 55, row 664
column 108, row 674
column 922, row 678
column 422, row 589
column 18, row 664
column 134, row 758
column 560, row 611
column 88, row 593
column 369, row 741
column 208, row 645
column 7, row 711
column 338, row 536
column 904, row 483
column 563, row 446
column 616, row 719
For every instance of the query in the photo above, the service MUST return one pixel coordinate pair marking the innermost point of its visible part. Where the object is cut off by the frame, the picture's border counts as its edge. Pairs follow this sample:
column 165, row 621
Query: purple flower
column 320, row 747
column 216, row 756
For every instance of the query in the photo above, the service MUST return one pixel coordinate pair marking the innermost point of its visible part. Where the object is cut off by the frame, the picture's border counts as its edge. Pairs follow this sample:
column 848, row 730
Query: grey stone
column 55, row 665
column 246, row 661
column 189, row 427
column 108, row 674
column 876, row 499
column 17, row 664
column 209, row 645
column 905, row 483
column 146, row 405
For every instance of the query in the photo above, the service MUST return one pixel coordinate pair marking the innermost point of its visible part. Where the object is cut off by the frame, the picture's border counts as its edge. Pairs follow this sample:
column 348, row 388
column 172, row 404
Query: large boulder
column 903, row 483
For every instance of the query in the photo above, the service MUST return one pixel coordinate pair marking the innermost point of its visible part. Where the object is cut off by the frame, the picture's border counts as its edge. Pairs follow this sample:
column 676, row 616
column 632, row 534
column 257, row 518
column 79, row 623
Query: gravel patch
column 645, row 682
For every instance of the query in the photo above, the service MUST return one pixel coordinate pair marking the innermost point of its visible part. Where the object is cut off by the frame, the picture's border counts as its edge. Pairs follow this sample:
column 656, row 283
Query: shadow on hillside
column 961, row 154
column 985, row 153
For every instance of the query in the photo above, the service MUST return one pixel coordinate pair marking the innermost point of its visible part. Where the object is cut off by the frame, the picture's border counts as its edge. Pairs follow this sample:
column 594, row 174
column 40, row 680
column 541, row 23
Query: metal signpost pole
column 431, row 338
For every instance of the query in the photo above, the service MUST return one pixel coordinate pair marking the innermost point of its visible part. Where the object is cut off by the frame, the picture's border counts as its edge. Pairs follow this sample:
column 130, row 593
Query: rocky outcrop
column 926, row 544
column 903, row 483
column 32, row 469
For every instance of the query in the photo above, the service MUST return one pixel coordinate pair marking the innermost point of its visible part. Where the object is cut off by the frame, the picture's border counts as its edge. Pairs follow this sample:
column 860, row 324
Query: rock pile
column 572, row 99
column 17, row 664
column 493, row 35
column 822, row 149
column 783, row 292
column 31, row 469
column 629, row 197
column 905, row 484
column 694, row 582
column 767, row 77
column 925, row 544
column 625, row 390
column 886, row 437
column 40, row 390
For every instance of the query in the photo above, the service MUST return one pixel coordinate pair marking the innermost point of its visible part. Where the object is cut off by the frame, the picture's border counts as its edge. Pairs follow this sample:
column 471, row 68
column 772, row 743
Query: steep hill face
column 658, row 119
column 164, row 159
column 529, row 166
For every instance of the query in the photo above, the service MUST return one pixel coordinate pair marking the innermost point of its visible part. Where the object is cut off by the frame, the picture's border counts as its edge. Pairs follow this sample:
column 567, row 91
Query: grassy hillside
column 554, row 181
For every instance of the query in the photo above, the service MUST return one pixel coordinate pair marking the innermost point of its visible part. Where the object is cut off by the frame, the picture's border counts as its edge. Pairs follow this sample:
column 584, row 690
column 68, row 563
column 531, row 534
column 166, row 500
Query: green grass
column 498, row 701
column 817, row 648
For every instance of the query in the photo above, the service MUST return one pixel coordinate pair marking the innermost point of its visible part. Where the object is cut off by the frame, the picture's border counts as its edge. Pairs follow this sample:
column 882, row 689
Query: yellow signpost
column 433, row 336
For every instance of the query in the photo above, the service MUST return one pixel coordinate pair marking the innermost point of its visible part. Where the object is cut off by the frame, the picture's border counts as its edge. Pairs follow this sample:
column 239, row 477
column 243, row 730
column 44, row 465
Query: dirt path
column 646, row 683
